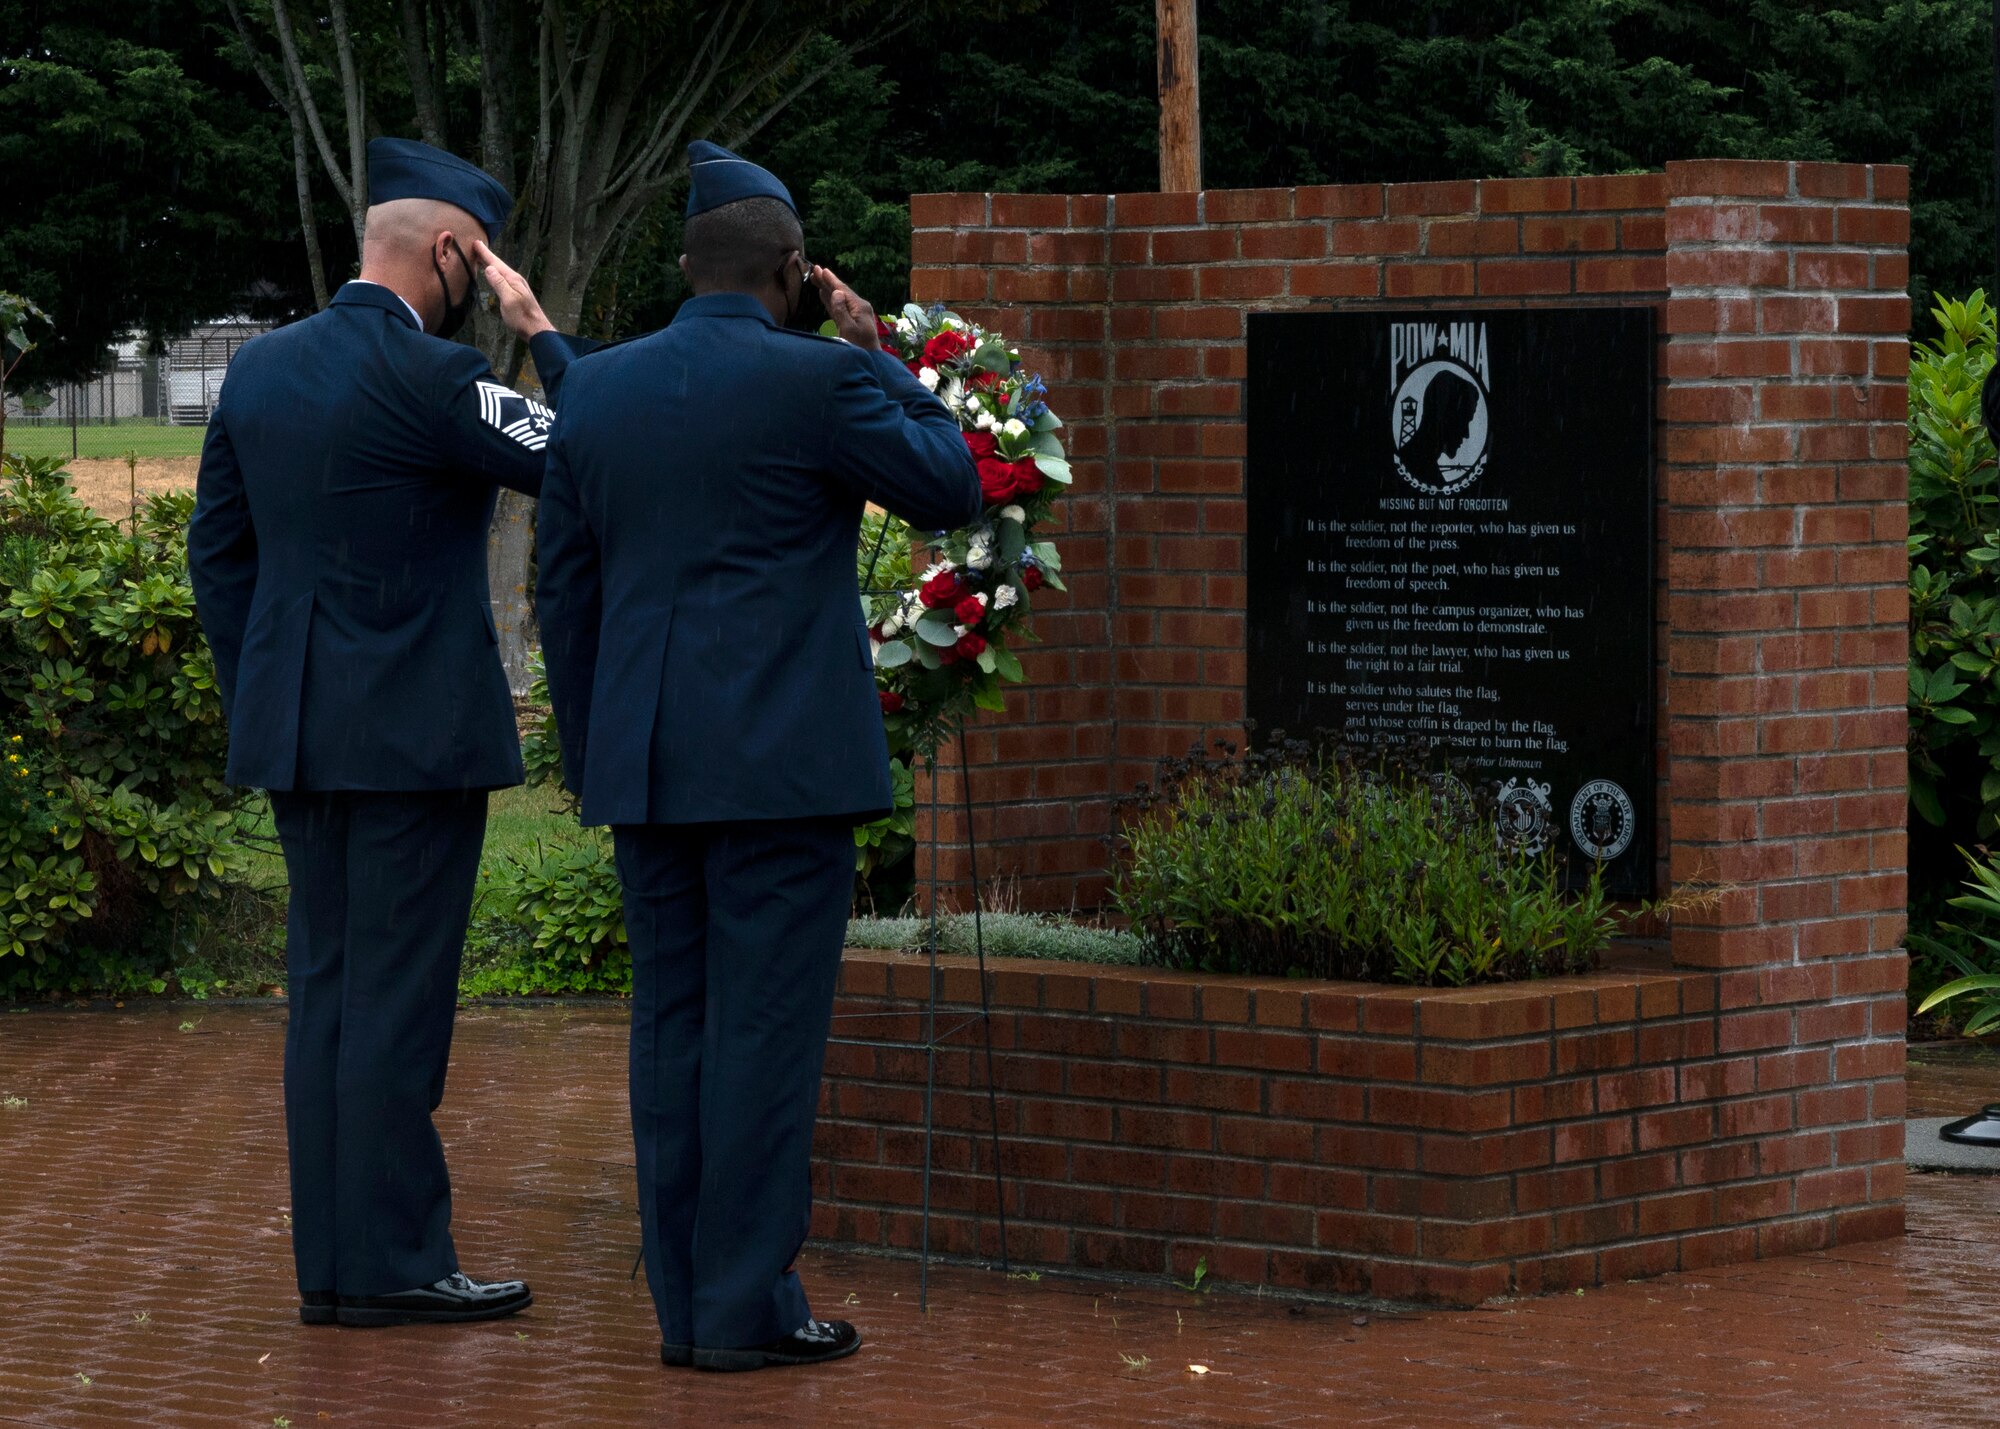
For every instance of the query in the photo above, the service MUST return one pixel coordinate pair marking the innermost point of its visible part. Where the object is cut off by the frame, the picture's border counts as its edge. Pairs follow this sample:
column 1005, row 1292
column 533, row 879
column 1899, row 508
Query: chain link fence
column 148, row 404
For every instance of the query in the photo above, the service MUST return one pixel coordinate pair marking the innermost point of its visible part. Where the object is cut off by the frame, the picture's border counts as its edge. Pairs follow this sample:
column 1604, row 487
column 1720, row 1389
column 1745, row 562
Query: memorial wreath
column 944, row 610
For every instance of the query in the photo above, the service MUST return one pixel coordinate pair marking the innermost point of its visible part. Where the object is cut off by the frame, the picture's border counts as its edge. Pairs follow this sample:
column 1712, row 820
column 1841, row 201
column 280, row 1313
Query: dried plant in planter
column 1303, row 858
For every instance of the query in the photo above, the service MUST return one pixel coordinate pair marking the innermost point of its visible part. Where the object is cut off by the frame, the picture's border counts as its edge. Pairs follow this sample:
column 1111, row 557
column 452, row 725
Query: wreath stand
column 932, row 1038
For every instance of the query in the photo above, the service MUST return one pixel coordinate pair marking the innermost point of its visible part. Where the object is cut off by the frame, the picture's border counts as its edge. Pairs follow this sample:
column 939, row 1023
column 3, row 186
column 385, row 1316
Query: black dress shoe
column 456, row 1299
column 316, row 1307
column 815, row 1343
column 679, row 1356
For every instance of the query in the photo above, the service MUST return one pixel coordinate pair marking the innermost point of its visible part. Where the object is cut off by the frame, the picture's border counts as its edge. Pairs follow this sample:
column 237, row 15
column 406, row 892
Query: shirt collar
column 725, row 305
column 376, row 295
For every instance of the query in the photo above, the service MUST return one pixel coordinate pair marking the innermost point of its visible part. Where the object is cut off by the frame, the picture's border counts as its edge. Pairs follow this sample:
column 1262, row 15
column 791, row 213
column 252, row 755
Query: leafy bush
column 1954, row 576
column 551, row 921
column 1977, row 983
column 116, row 830
column 1302, row 861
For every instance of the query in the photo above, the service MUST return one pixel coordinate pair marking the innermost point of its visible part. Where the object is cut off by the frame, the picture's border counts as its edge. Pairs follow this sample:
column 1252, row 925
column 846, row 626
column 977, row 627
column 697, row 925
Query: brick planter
column 1744, row 1098
column 1438, row 1146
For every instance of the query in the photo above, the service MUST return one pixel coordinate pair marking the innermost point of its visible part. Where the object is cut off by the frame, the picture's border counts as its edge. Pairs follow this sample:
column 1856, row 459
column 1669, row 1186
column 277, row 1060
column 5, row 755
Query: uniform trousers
column 381, row 891
column 736, row 933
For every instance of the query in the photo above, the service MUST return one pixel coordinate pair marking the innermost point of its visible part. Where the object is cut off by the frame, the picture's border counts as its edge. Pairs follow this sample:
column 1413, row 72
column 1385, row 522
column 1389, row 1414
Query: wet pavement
column 145, row 1281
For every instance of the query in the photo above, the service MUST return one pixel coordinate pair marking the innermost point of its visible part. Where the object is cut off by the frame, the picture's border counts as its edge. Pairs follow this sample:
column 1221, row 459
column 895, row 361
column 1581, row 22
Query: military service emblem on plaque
column 1601, row 820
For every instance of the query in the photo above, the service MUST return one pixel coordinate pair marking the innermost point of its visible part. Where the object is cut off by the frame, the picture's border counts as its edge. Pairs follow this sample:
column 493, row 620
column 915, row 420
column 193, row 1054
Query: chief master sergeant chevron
column 338, row 553
column 716, row 701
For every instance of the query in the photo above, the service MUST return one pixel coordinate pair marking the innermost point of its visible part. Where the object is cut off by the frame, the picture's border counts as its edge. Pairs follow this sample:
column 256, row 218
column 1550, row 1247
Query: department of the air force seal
column 1438, row 380
column 1523, row 814
column 1601, row 820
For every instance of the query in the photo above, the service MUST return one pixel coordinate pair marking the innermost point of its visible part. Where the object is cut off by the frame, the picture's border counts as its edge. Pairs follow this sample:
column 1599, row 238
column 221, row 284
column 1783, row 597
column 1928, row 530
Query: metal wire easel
column 932, row 1038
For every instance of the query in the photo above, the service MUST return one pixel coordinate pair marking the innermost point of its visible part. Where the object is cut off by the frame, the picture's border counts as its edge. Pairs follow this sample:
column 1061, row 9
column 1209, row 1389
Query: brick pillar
column 1783, row 451
column 1035, row 267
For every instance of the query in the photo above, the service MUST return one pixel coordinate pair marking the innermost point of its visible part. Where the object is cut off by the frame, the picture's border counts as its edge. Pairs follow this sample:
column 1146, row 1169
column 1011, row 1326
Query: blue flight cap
column 404, row 168
column 717, row 177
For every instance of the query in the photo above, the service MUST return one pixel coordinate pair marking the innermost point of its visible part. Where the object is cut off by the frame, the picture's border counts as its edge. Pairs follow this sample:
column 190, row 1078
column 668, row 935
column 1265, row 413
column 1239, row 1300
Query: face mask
column 456, row 313
column 808, row 312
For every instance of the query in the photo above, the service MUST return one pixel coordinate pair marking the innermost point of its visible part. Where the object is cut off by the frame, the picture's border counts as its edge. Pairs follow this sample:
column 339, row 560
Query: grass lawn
column 246, row 948
column 148, row 439
column 516, row 819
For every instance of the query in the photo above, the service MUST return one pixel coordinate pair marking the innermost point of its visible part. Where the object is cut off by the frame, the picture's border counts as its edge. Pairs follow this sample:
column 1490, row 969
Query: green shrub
column 1306, row 862
column 1954, row 576
column 551, row 920
column 1977, row 984
column 116, row 830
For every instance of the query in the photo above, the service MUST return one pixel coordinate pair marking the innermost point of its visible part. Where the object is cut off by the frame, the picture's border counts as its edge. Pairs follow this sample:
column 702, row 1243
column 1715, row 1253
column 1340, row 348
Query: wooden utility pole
column 1180, row 97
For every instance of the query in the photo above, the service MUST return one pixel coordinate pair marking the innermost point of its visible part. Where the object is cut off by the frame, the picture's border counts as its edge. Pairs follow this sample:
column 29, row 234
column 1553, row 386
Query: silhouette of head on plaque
column 1450, row 404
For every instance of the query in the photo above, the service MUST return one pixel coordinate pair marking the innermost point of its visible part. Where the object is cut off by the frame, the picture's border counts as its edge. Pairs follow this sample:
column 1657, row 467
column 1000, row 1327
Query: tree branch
column 301, row 163
column 417, row 63
column 355, row 99
column 887, row 32
column 678, row 110
column 288, row 46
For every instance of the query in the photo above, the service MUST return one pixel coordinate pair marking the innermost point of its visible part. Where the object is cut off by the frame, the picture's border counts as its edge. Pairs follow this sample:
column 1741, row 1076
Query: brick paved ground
column 145, row 1280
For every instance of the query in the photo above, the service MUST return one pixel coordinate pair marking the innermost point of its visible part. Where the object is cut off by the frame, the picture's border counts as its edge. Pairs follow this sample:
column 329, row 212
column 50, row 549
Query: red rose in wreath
column 944, row 588
column 1032, row 577
column 1003, row 481
column 981, row 445
column 969, row 611
column 946, row 347
column 892, row 703
column 970, row 646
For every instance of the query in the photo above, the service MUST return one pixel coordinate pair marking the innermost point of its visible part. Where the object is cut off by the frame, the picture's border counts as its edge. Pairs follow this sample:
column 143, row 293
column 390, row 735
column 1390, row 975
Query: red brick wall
column 1781, row 407
column 1443, row 1146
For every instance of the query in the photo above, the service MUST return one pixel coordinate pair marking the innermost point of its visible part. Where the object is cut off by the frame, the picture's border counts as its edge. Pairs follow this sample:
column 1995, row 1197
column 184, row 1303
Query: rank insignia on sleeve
column 522, row 418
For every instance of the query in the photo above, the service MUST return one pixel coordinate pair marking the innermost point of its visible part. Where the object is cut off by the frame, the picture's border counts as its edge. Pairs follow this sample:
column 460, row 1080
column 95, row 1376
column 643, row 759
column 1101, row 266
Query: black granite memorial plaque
column 1451, row 543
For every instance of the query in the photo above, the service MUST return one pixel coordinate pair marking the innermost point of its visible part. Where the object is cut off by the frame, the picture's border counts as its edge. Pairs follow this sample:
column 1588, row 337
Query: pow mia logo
column 1523, row 815
column 522, row 418
column 1601, row 820
column 1438, row 380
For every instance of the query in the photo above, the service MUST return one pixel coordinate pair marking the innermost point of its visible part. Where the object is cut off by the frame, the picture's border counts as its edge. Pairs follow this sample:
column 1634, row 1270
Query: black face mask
column 456, row 313
column 808, row 313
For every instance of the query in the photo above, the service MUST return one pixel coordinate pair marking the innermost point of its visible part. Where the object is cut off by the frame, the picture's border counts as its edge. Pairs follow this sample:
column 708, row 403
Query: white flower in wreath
column 979, row 556
column 929, row 377
column 1013, row 513
column 949, row 393
column 972, row 404
column 1006, row 597
column 1015, row 427
column 985, row 421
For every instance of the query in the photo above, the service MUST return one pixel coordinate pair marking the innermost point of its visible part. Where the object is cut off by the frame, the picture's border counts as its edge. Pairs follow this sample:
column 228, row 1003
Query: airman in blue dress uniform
column 715, row 695
column 338, row 554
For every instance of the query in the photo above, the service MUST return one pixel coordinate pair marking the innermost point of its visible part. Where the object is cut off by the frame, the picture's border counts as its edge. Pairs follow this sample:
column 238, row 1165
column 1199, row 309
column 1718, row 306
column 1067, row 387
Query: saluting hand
column 519, row 308
column 852, row 316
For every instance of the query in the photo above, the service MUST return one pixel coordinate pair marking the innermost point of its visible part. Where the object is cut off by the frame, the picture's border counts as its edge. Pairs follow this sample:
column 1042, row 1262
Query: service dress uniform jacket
column 338, row 556
column 715, row 697
column 339, row 550
column 707, row 651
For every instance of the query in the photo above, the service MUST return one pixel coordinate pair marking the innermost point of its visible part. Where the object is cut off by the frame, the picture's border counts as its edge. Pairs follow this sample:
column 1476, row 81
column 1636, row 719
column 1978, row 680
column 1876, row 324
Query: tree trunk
column 510, row 560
